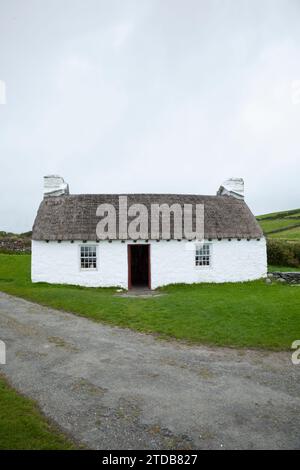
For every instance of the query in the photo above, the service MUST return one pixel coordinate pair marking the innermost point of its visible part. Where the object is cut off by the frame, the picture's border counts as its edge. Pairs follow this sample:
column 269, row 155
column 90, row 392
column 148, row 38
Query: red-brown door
column 139, row 268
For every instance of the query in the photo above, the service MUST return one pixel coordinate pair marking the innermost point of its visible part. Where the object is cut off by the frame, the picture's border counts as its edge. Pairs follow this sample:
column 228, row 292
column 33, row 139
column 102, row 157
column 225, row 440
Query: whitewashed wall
column 171, row 262
column 231, row 261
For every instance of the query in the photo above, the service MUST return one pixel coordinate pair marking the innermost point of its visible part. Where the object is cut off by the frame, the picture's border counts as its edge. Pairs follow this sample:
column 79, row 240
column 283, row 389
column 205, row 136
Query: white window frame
column 88, row 245
column 199, row 246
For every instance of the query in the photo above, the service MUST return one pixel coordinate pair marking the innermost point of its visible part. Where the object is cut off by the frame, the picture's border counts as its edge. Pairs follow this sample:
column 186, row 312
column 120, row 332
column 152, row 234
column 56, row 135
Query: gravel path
column 113, row 388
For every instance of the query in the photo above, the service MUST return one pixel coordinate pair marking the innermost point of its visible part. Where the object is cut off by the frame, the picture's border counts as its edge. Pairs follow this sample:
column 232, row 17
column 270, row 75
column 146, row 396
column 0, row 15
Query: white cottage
column 66, row 248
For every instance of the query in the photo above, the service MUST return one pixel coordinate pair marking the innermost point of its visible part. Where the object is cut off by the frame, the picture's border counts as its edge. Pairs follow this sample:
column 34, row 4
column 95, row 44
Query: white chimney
column 232, row 187
column 55, row 186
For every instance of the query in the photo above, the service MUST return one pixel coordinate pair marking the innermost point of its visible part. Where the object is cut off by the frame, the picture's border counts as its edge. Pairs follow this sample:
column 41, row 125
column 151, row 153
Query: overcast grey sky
column 149, row 96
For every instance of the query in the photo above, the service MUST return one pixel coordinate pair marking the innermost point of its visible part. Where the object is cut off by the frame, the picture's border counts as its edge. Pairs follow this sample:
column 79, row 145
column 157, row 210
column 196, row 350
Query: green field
column 276, row 215
column 283, row 225
column 276, row 224
column 292, row 234
column 250, row 314
column 22, row 426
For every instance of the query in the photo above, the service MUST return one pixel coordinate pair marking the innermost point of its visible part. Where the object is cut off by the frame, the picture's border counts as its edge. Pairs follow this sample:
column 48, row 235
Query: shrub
column 282, row 253
column 297, row 251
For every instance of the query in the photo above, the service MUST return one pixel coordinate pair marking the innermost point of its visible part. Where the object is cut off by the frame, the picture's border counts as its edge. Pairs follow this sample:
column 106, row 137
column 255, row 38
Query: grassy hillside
column 283, row 225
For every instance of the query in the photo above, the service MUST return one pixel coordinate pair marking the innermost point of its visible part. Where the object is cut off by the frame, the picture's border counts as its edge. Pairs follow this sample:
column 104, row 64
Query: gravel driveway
column 113, row 388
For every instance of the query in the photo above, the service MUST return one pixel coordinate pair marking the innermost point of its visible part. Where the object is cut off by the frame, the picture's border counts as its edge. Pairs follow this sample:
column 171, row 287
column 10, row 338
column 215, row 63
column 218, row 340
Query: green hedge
column 282, row 253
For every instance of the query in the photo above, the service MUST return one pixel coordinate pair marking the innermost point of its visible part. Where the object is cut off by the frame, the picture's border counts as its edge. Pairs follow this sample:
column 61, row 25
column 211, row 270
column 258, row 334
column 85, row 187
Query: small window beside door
column 203, row 255
column 88, row 257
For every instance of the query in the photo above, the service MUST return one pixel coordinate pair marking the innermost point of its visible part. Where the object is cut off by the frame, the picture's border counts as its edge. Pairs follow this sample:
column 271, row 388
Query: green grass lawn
column 22, row 426
column 283, row 268
column 250, row 314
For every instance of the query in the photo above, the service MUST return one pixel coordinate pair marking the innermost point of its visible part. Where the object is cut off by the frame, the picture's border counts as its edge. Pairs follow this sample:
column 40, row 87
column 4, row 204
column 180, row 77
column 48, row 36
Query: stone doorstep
column 142, row 292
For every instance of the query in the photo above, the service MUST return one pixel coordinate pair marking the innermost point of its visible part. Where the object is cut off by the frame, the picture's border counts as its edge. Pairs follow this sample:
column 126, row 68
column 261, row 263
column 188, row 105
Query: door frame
column 129, row 264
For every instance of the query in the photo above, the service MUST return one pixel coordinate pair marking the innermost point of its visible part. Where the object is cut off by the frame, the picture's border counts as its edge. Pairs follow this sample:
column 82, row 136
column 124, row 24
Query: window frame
column 201, row 245
column 93, row 245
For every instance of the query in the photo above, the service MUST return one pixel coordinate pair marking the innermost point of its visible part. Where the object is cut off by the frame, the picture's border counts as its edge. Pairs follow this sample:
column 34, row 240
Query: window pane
column 202, row 255
column 88, row 257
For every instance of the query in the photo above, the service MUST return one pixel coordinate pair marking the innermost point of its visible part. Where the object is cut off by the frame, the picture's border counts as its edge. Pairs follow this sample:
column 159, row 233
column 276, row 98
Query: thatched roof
column 73, row 217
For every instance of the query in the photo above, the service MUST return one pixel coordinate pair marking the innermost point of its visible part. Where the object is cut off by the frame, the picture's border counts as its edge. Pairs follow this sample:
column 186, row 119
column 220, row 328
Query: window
column 203, row 255
column 88, row 257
